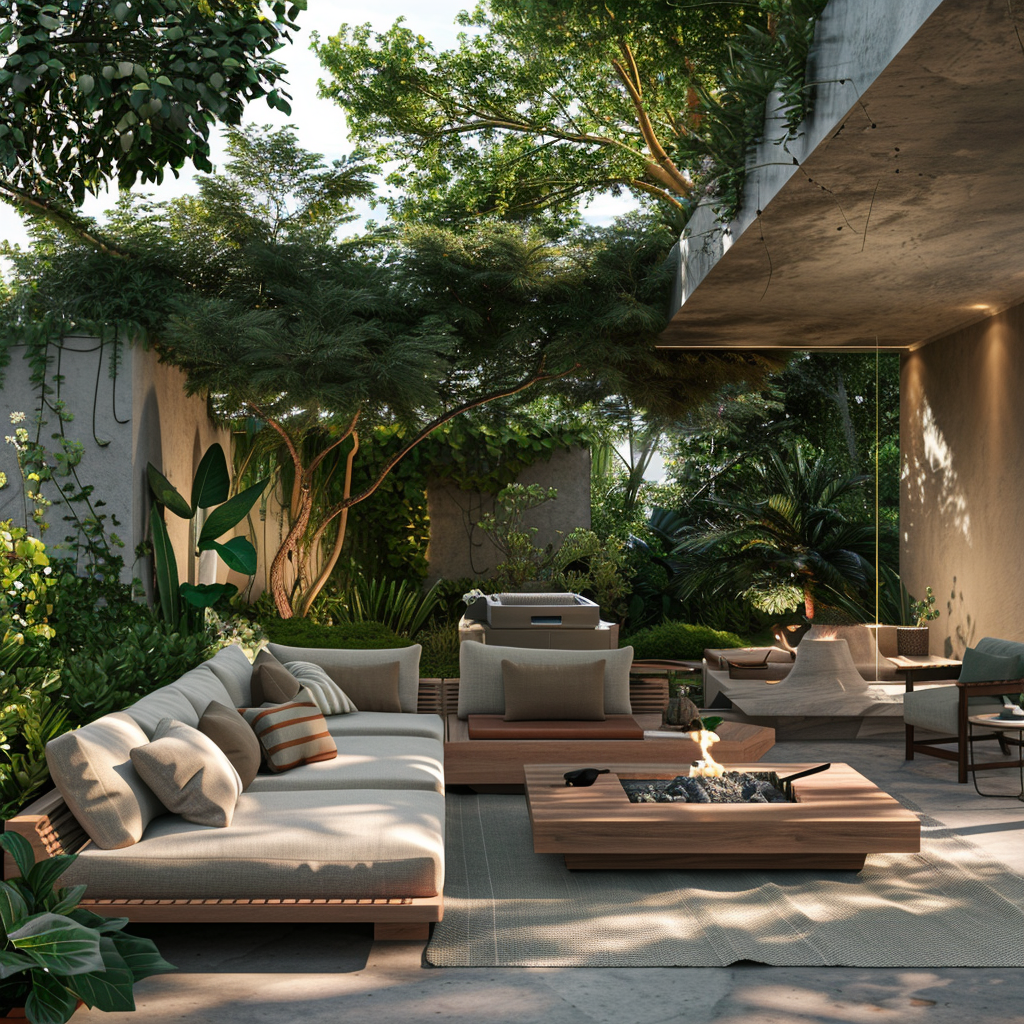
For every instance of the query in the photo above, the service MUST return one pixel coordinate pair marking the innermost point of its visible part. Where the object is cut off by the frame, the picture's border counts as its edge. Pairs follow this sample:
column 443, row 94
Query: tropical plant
column 924, row 610
column 210, row 488
column 790, row 543
column 56, row 952
column 401, row 605
column 522, row 560
column 32, row 712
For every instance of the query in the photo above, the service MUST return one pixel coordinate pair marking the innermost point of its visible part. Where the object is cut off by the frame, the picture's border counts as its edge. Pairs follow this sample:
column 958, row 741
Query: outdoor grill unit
column 560, row 621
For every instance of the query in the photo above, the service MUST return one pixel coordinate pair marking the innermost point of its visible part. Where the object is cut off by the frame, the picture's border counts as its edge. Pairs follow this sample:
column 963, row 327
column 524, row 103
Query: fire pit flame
column 707, row 767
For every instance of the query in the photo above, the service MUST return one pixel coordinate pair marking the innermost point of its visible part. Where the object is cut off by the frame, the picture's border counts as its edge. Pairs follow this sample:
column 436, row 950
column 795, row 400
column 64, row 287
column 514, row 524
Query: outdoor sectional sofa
column 359, row 837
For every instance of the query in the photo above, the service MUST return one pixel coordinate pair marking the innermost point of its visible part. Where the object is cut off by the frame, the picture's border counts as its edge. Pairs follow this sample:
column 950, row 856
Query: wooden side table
column 993, row 721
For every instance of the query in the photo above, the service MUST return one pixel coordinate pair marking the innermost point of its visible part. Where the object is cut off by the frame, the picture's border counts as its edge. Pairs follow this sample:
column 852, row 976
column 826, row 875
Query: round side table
column 993, row 721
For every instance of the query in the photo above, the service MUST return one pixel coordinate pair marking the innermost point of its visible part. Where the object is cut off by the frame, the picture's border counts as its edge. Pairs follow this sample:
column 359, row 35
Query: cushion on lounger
column 560, row 692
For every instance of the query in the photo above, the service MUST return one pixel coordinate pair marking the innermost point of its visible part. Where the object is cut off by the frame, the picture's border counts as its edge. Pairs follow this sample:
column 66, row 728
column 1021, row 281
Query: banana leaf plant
column 210, row 488
column 55, row 953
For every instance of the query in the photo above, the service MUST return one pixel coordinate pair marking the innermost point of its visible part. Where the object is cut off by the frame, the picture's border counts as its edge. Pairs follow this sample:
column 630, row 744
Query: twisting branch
column 62, row 218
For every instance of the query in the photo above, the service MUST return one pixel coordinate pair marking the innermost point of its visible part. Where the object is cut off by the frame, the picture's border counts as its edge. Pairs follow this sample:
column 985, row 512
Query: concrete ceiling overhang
column 896, row 222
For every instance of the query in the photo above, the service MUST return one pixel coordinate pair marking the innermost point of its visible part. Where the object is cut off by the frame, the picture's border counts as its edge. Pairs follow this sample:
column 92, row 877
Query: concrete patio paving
column 321, row 973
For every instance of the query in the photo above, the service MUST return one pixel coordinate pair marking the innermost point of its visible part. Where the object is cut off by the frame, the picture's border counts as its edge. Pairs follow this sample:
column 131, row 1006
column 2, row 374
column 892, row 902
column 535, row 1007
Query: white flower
column 17, row 417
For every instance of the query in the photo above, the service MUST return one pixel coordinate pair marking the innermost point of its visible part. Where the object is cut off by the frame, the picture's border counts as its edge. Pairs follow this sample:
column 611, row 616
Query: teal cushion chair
column 990, row 670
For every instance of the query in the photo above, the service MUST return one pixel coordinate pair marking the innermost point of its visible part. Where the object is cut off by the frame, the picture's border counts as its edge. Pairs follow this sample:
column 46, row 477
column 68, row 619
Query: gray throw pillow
column 554, row 692
column 271, row 682
column 230, row 731
column 189, row 774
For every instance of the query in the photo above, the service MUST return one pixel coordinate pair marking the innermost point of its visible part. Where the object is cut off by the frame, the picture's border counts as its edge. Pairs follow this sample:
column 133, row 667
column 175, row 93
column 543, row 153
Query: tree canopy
column 541, row 104
column 545, row 103
column 100, row 90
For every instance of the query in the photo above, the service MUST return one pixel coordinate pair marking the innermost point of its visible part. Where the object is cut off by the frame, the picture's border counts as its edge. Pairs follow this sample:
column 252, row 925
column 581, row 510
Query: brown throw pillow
column 370, row 689
column 553, row 692
column 226, row 727
column 292, row 734
column 271, row 682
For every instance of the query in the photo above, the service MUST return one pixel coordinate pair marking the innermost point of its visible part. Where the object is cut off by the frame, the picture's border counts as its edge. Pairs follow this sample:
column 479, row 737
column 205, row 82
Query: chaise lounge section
column 357, row 837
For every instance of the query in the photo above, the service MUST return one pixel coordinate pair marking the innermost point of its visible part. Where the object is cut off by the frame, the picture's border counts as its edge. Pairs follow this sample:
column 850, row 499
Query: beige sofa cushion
column 356, row 844
column 366, row 762
column 408, row 659
column 234, row 670
column 201, row 685
column 93, row 770
column 167, row 702
column 370, row 688
column 481, row 690
column 383, row 723
column 189, row 774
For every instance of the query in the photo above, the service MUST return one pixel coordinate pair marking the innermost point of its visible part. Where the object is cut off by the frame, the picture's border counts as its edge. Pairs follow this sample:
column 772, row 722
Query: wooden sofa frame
column 962, row 753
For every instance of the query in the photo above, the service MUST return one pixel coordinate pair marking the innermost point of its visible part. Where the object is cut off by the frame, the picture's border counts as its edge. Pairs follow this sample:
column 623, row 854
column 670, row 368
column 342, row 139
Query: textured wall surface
column 142, row 415
column 458, row 548
column 962, row 487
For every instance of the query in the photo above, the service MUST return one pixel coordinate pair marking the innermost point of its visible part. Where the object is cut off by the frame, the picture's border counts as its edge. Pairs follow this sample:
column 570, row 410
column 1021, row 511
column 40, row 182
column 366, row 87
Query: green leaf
column 109, row 990
column 141, row 956
column 206, row 595
column 14, row 963
column 20, row 850
column 103, row 925
column 49, row 1002
column 166, row 569
column 69, row 900
column 46, row 872
column 59, row 944
column 232, row 512
column 165, row 493
column 212, row 483
column 238, row 554
column 13, row 909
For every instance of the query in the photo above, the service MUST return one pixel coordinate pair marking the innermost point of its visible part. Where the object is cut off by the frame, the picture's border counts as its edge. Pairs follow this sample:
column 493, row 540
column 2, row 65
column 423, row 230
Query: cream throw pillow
column 329, row 696
column 189, row 774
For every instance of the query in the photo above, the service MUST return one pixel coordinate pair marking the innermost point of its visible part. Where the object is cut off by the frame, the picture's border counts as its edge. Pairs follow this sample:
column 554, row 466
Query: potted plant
column 913, row 640
column 57, row 955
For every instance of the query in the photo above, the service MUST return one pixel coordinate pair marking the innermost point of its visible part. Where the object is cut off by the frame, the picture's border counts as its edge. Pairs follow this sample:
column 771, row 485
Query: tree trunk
column 808, row 605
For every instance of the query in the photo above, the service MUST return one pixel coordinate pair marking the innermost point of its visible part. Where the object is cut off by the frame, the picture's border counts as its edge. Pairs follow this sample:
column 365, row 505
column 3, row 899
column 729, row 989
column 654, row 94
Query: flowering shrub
column 27, row 585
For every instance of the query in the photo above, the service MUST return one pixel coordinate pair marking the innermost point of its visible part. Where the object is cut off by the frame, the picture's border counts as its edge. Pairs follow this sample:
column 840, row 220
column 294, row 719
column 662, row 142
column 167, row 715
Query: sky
column 320, row 123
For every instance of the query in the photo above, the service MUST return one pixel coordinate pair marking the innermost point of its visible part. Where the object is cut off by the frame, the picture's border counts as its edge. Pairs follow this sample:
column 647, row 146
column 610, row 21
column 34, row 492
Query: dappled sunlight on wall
column 962, row 488
column 934, row 477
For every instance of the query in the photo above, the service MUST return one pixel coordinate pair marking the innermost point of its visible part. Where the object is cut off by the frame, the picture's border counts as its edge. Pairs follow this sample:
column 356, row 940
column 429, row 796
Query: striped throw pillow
column 291, row 734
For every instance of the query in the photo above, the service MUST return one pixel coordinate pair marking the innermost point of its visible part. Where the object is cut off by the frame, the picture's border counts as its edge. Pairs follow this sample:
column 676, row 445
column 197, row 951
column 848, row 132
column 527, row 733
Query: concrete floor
column 321, row 973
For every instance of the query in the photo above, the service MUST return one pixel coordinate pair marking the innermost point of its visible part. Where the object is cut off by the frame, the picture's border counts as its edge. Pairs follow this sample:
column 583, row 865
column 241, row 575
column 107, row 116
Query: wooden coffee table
column 838, row 819
column 501, row 762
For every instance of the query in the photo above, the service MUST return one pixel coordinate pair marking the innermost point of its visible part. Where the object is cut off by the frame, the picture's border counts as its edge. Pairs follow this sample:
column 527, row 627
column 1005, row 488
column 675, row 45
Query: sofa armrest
column 50, row 828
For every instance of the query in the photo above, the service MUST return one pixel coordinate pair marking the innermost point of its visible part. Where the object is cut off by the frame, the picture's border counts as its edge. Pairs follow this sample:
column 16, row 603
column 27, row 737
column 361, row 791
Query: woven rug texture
column 506, row 906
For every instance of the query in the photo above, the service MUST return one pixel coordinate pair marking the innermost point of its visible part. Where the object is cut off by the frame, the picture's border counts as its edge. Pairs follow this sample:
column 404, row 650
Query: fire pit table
column 836, row 819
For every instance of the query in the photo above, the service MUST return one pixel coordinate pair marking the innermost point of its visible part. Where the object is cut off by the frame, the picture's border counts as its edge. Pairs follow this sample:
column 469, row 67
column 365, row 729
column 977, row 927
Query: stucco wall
column 962, row 487
column 457, row 548
column 143, row 416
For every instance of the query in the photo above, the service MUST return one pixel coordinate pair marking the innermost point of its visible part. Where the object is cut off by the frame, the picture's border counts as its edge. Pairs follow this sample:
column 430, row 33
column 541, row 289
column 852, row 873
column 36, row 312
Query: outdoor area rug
column 506, row 906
